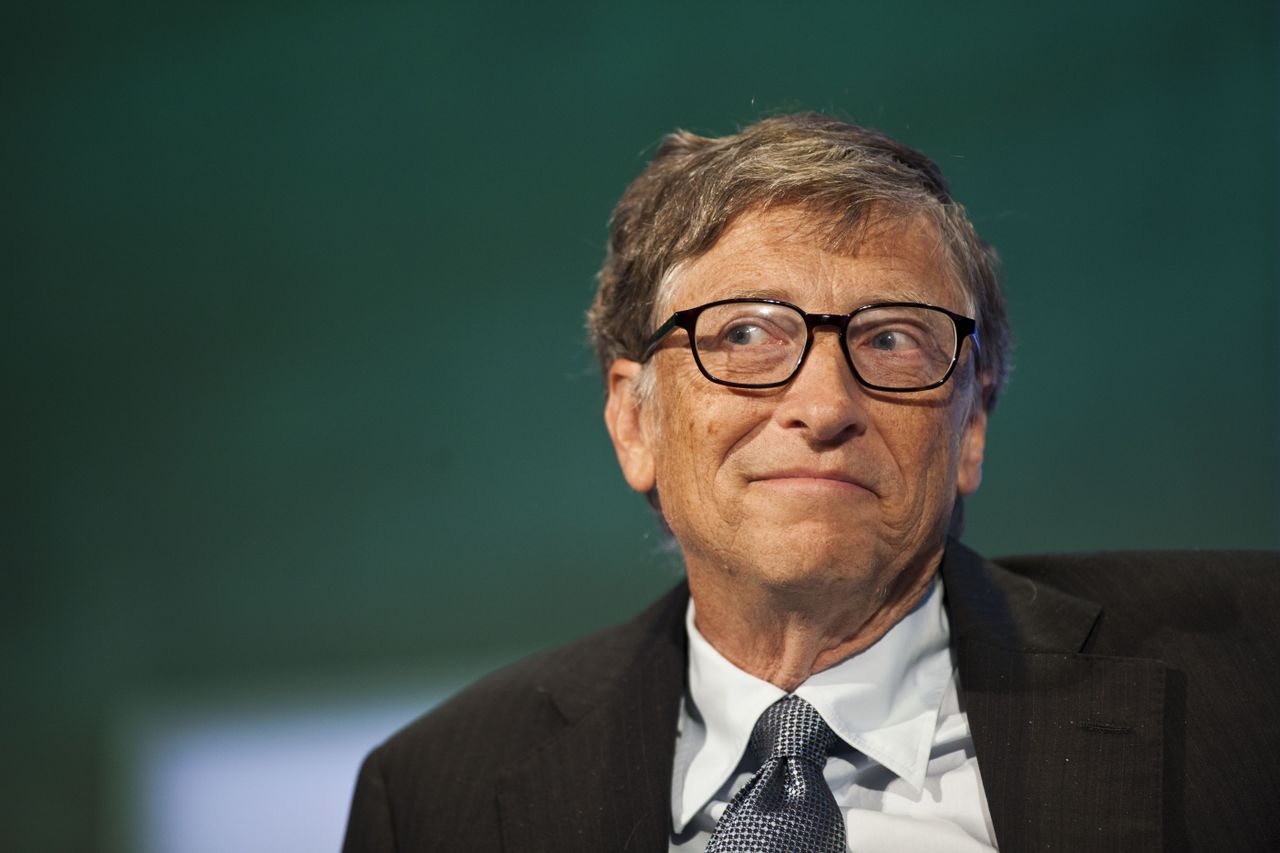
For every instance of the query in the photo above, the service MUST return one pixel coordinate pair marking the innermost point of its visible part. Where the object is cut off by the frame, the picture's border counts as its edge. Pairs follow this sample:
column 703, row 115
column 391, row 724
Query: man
column 802, row 339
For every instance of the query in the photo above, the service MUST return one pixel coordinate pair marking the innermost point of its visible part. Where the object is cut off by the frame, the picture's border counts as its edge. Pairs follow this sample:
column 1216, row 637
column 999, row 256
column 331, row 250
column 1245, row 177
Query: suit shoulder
column 434, row 784
column 512, row 709
column 1252, row 577
column 1202, row 597
column 1259, row 566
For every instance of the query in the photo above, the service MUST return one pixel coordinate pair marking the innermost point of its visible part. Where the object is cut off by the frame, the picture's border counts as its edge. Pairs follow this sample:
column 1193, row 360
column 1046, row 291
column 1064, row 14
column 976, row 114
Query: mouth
column 812, row 479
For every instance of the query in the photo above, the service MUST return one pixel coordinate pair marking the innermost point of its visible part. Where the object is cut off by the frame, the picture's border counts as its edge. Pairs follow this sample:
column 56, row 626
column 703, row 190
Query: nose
column 823, row 399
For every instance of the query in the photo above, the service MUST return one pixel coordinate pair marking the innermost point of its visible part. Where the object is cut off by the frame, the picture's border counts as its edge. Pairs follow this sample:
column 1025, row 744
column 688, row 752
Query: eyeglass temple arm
column 969, row 329
column 676, row 320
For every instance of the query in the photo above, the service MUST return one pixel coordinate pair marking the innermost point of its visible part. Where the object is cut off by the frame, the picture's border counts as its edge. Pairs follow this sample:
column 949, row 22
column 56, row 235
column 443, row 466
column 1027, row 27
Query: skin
column 812, row 517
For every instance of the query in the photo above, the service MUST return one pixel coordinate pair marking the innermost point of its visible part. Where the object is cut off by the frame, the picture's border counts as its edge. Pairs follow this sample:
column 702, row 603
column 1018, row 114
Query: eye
column 754, row 328
column 893, row 340
column 746, row 334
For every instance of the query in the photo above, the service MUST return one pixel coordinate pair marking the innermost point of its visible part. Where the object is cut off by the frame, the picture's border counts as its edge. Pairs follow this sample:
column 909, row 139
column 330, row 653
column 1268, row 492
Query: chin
column 818, row 553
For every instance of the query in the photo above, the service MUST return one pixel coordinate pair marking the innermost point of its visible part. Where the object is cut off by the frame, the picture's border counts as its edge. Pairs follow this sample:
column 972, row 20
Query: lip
column 811, row 478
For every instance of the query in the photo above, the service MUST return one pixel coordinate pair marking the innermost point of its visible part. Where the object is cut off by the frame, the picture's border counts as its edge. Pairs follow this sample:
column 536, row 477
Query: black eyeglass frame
column 966, row 327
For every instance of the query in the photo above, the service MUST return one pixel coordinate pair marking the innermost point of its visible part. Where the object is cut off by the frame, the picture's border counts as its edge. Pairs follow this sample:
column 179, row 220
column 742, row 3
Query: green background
column 295, row 383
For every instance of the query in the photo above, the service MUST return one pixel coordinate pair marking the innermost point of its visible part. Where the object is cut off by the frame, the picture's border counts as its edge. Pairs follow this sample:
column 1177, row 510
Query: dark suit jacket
column 1118, row 702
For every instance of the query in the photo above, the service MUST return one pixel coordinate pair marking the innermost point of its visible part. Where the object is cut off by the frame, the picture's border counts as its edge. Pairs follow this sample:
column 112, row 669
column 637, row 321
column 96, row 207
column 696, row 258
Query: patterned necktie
column 786, row 807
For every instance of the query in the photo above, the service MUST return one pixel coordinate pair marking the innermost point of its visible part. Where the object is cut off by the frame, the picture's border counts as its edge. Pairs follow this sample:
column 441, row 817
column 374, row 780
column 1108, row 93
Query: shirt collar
column 882, row 701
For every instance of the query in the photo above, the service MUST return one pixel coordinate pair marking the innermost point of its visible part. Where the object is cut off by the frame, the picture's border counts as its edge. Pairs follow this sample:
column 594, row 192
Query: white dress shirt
column 905, row 775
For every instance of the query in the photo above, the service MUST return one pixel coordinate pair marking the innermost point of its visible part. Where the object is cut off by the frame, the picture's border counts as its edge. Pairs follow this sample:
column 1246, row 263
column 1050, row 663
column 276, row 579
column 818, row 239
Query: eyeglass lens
column 760, row 343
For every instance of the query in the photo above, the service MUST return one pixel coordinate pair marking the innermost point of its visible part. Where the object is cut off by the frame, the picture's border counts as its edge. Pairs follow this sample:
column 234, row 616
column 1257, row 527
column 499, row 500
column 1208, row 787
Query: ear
column 624, row 420
column 973, row 444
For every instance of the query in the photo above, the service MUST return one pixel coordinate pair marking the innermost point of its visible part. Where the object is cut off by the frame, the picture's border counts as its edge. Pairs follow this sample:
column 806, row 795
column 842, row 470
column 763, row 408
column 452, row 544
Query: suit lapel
column 604, row 781
column 1070, row 746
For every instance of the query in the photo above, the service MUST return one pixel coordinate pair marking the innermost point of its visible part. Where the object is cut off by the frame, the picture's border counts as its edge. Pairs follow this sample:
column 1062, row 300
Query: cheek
column 701, row 431
column 925, row 447
column 682, row 441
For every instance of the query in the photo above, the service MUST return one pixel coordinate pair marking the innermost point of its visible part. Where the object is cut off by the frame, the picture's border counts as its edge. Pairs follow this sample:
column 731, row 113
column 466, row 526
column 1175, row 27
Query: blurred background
column 301, row 430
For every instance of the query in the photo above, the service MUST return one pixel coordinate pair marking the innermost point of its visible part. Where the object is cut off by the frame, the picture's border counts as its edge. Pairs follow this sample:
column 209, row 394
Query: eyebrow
column 906, row 294
column 764, row 293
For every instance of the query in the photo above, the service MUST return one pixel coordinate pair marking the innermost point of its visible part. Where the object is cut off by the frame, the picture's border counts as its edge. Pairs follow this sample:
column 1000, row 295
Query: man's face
column 822, row 481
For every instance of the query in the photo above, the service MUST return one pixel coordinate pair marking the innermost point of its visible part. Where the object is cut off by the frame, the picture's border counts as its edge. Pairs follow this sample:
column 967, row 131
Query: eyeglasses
column 762, row 343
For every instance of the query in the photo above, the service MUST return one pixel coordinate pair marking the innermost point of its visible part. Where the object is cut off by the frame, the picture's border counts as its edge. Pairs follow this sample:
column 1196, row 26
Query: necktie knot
column 792, row 728
column 786, row 807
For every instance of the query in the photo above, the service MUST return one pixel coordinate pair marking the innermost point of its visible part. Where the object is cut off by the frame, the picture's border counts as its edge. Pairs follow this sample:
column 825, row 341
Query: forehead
column 787, row 254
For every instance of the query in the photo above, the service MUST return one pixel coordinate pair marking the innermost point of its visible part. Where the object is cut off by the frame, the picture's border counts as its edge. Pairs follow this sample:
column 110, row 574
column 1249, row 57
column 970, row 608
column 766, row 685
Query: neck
column 783, row 633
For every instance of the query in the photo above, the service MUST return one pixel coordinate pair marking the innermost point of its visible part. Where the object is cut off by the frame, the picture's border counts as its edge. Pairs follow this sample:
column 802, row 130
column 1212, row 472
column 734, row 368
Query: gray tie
column 786, row 807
